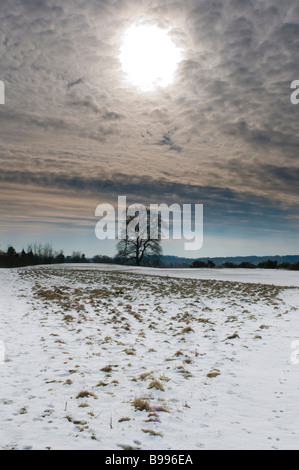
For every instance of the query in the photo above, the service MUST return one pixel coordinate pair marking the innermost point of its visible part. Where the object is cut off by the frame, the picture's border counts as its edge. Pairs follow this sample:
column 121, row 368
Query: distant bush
column 230, row 265
column 203, row 264
column 76, row 257
column 98, row 259
column 294, row 267
column 246, row 265
column 269, row 264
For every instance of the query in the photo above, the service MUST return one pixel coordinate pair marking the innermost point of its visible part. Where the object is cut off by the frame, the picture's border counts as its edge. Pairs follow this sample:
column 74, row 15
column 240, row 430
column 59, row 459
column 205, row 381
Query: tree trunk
column 137, row 254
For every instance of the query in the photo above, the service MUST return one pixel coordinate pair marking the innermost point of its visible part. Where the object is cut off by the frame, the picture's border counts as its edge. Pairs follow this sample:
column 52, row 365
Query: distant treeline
column 38, row 254
column 269, row 264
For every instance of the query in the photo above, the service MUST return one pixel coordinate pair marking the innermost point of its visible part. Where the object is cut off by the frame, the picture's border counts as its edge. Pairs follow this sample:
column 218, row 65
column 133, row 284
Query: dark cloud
column 221, row 205
column 111, row 116
column 75, row 82
column 267, row 137
column 167, row 140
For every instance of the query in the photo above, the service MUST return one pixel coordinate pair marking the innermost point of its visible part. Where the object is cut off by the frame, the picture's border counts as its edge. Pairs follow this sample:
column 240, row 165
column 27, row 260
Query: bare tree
column 141, row 238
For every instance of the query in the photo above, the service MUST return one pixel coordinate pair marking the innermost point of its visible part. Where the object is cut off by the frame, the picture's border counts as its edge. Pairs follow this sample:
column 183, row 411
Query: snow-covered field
column 103, row 357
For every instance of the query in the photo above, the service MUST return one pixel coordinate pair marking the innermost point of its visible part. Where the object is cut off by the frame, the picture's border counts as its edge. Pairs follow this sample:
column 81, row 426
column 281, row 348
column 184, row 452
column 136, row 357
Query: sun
column 149, row 57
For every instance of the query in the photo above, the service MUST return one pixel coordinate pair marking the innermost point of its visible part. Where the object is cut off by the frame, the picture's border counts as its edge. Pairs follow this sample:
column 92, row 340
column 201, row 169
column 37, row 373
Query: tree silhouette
column 138, row 240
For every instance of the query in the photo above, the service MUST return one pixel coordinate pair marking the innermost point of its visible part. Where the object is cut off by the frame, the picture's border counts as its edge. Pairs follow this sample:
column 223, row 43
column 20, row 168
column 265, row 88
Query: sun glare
column 149, row 57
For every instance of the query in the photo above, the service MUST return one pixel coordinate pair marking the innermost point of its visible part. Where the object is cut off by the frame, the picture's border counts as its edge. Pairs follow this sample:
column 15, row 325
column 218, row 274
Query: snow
column 276, row 277
column 218, row 342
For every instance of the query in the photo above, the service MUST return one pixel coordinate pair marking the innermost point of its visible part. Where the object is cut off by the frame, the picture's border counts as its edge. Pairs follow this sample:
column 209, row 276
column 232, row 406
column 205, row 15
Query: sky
column 75, row 133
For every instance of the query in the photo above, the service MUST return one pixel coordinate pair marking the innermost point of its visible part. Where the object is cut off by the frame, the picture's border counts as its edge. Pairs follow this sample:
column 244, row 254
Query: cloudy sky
column 75, row 134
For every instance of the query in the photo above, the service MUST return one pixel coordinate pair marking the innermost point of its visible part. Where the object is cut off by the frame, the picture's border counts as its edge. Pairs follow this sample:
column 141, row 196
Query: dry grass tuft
column 152, row 433
column 157, row 385
column 141, row 404
column 86, row 394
